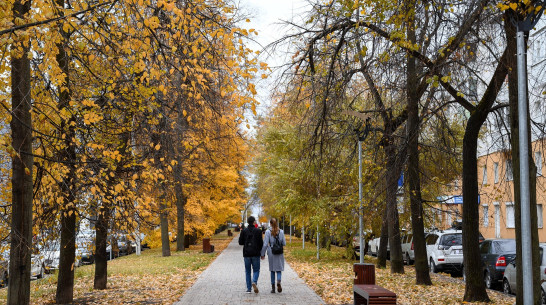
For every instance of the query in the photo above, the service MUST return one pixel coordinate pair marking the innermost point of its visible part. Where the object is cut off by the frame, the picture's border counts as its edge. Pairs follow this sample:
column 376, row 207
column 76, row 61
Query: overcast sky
column 266, row 18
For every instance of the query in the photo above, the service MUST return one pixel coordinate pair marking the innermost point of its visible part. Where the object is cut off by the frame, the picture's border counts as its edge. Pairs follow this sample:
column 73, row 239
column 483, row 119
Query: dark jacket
column 252, row 242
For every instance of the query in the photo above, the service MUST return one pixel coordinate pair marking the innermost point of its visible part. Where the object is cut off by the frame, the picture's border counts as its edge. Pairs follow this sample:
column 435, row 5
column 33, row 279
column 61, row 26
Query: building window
column 496, row 171
column 510, row 219
column 539, row 215
column 538, row 162
column 484, row 175
column 509, row 172
column 485, row 216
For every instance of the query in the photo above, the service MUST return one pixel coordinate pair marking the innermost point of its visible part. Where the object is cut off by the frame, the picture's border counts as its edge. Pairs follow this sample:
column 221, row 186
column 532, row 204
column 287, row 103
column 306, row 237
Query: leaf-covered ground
column 146, row 279
column 332, row 278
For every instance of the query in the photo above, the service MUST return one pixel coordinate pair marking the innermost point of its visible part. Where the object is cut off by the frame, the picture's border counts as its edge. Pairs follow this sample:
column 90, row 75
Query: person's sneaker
column 255, row 288
column 248, row 291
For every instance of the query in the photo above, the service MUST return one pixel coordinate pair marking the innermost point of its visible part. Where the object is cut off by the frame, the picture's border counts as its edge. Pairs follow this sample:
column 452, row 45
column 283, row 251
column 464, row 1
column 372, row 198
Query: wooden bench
column 364, row 289
column 372, row 294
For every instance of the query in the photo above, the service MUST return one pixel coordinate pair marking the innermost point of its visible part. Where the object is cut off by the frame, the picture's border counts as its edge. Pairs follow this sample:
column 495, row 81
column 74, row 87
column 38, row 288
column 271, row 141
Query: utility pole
column 525, row 25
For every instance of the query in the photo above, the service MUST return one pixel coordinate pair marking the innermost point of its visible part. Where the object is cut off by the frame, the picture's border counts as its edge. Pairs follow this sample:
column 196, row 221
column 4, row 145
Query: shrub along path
column 223, row 282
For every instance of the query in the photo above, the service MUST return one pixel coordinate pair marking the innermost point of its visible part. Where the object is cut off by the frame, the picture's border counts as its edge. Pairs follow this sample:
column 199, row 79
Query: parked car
column 445, row 250
column 374, row 244
column 407, row 248
column 356, row 243
column 509, row 283
column 50, row 252
column 4, row 266
column 495, row 254
column 85, row 241
column 37, row 269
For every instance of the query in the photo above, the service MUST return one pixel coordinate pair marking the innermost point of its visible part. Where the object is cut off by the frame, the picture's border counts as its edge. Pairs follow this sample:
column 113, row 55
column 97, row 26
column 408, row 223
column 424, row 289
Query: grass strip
column 332, row 276
column 145, row 279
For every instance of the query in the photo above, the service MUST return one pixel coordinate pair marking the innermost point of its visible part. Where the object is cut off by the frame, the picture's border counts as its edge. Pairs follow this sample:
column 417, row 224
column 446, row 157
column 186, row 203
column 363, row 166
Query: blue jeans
column 253, row 262
column 273, row 277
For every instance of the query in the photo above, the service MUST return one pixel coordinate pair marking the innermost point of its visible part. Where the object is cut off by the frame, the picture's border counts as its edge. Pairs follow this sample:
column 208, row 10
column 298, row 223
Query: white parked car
column 407, row 248
column 85, row 241
column 373, row 246
column 50, row 254
column 445, row 250
column 509, row 278
column 37, row 269
column 4, row 265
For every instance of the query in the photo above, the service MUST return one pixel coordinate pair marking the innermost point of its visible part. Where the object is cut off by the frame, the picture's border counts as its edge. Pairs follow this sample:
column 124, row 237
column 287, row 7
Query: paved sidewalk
column 223, row 282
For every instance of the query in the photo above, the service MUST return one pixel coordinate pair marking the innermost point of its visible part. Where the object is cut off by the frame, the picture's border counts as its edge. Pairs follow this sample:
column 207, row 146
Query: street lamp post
column 360, row 220
column 526, row 248
column 361, row 137
column 525, row 24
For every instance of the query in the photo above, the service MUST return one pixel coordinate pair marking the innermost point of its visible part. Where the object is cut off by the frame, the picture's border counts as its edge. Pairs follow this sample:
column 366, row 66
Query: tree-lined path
column 223, row 282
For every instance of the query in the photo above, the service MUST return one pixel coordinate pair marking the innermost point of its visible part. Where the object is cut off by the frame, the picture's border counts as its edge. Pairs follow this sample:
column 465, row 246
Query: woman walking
column 274, row 243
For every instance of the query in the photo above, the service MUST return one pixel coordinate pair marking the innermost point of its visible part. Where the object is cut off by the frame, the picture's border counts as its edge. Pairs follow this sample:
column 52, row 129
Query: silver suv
column 445, row 250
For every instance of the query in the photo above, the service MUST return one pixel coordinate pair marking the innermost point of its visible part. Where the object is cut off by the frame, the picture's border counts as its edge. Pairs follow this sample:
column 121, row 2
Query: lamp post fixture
column 525, row 24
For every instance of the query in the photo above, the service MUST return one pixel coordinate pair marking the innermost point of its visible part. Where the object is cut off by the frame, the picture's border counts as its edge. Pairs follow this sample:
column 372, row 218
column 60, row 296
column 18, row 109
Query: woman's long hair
column 274, row 227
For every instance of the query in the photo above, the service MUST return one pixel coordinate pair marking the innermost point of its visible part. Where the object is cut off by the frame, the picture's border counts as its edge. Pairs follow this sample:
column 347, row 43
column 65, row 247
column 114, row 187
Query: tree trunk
column 181, row 197
column 422, row 275
column 181, row 200
column 392, row 176
column 510, row 30
column 383, row 240
column 475, row 287
column 21, row 180
column 101, row 259
column 165, row 242
column 65, row 282
column 159, row 138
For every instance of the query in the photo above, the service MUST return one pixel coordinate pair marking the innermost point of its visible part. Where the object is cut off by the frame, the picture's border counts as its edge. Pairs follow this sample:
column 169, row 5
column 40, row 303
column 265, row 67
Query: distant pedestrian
column 252, row 242
column 274, row 243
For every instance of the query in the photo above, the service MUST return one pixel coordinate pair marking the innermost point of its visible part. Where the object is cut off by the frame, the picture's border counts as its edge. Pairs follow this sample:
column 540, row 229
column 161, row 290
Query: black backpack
column 249, row 243
column 276, row 247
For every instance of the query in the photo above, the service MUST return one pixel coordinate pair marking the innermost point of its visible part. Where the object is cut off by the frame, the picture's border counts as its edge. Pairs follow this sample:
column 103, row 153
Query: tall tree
column 67, row 157
column 22, row 164
column 422, row 275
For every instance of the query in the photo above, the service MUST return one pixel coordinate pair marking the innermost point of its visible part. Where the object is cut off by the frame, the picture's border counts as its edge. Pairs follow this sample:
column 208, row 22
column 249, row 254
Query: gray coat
column 276, row 261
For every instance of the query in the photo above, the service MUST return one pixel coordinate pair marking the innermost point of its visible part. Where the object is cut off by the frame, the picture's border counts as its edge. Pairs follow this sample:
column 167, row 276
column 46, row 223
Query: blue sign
column 401, row 180
column 458, row 199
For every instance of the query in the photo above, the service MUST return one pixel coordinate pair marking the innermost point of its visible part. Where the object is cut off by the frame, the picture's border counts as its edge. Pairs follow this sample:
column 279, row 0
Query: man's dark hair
column 251, row 220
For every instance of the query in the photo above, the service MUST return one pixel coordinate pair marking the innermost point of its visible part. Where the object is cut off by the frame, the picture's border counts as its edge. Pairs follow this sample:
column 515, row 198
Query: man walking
column 252, row 242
